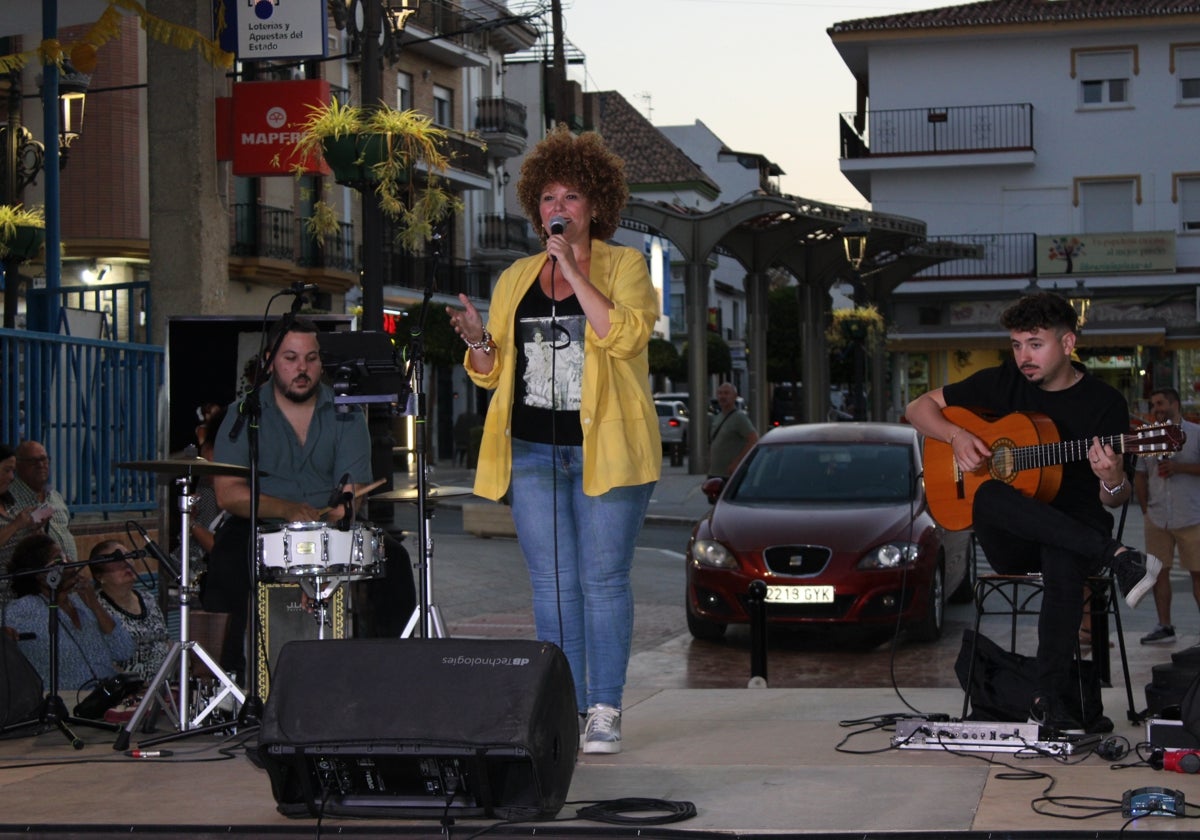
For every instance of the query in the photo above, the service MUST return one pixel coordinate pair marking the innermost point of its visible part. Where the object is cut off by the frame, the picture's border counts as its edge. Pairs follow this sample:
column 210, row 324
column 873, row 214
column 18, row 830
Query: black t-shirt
column 1090, row 407
column 549, row 376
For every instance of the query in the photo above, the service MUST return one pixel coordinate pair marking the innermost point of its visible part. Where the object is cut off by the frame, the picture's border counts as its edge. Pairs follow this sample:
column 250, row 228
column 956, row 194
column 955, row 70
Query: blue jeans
column 582, row 594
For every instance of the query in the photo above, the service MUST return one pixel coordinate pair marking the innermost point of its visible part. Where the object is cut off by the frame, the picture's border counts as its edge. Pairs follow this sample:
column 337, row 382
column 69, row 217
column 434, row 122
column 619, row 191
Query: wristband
column 484, row 344
column 1112, row 491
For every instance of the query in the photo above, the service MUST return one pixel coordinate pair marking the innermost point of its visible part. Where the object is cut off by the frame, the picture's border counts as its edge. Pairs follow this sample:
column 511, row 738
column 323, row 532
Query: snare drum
column 310, row 549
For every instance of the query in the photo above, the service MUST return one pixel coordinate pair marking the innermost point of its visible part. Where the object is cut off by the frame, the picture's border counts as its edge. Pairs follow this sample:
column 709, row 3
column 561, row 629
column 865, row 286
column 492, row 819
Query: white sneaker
column 602, row 732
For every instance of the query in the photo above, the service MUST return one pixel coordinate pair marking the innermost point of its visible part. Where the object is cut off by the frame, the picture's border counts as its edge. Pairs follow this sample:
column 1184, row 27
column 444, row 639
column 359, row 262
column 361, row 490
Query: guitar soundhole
column 1002, row 465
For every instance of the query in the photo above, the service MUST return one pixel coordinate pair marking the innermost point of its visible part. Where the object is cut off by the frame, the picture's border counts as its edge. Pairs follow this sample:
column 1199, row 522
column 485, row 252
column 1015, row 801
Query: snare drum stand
column 178, row 654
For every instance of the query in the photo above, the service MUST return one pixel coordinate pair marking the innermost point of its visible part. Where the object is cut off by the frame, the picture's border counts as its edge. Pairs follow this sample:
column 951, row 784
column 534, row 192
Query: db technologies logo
column 263, row 9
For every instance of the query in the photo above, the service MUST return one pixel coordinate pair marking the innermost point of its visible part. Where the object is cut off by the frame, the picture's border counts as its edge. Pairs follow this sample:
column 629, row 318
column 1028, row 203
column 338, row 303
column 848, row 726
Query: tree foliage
column 442, row 345
column 783, row 335
column 718, row 359
column 665, row 361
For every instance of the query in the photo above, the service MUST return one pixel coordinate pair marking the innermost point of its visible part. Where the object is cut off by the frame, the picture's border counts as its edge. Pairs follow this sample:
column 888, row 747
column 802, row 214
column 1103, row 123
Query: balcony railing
column 447, row 20
column 276, row 233
column 959, row 129
column 497, row 115
column 450, row 276
column 1005, row 256
column 467, row 154
column 504, row 232
column 92, row 404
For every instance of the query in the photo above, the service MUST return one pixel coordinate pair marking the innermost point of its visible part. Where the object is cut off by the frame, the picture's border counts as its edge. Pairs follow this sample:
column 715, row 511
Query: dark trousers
column 381, row 605
column 1020, row 536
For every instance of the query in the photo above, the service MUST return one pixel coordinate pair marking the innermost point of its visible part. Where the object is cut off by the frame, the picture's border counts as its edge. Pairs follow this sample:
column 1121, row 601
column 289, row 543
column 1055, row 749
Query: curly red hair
column 582, row 162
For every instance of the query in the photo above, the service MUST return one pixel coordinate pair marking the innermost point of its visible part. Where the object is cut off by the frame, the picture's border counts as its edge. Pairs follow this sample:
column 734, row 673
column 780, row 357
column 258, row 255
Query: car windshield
column 826, row 472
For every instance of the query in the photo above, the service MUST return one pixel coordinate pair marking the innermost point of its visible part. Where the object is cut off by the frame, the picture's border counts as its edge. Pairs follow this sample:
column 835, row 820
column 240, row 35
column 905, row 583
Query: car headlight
column 712, row 553
column 891, row 556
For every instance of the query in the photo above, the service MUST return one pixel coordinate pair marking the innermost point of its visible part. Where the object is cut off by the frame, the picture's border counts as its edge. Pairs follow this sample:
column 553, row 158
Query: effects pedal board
column 983, row 736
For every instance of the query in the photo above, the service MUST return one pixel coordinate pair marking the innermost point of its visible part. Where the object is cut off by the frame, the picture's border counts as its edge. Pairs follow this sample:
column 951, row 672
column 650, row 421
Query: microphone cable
column 554, row 453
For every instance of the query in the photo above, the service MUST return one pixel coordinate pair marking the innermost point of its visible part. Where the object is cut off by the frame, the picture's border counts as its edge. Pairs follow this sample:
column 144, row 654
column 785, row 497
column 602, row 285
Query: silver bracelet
column 1112, row 491
column 484, row 344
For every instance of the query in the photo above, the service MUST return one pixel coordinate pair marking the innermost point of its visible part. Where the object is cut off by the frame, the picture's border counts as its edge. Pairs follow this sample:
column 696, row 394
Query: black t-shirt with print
column 549, row 377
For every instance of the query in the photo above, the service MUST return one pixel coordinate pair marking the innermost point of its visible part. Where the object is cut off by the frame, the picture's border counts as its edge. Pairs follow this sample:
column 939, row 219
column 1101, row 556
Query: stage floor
column 752, row 761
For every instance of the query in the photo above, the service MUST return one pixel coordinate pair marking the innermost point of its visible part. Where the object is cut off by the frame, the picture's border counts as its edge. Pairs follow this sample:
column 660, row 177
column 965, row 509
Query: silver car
column 672, row 422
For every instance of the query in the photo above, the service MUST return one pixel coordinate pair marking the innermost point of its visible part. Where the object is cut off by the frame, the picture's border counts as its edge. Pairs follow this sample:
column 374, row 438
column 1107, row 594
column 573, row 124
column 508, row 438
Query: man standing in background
column 1168, row 489
column 32, row 487
column 732, row 433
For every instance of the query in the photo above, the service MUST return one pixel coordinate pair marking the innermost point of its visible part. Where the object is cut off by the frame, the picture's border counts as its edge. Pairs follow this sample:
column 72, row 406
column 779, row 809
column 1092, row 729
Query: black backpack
column 1003, row 683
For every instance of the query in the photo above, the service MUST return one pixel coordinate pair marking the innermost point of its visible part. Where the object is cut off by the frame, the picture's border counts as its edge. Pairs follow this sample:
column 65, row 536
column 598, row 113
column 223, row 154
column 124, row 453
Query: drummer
column 312, row 458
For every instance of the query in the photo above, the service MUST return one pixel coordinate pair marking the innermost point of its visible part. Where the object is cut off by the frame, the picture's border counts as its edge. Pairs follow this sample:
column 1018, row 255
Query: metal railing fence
column 92, row 404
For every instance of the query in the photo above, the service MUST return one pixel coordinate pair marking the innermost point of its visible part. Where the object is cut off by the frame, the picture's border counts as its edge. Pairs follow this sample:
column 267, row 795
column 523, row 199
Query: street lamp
column 1081, row 300
column 72, row 96
column 854, row 241
column 24, row 158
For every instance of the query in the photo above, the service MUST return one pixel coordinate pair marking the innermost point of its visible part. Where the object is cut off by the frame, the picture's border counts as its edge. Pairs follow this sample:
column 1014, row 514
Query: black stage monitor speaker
column 420, row 728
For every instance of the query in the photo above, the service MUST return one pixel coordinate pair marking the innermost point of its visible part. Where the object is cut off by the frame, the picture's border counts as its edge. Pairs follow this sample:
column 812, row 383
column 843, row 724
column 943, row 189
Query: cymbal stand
column 426, row 612
column 178, row 655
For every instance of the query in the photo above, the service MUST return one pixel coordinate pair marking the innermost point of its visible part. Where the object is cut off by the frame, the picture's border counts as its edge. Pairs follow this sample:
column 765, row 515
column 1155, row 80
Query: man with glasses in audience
column 32, row 487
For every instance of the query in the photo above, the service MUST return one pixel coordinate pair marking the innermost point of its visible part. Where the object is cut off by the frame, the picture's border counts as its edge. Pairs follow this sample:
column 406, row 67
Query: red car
column 832, row 518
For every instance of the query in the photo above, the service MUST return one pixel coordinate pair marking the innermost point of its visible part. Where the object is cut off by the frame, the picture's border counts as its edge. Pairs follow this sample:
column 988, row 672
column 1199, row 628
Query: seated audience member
column 16, row 520
column 90, row 640
column 136, row 611
column 32, row 487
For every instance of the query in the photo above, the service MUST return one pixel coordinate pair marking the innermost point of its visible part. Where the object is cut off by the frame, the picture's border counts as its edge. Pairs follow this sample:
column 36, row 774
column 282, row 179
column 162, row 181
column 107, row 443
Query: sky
column 763, row 75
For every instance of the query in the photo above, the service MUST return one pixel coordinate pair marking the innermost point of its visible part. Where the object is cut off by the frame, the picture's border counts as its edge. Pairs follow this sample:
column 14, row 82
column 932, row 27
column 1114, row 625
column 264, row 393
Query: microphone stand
column 250, row 714
column 52, row 710
column 251, row 711
column 426, row 613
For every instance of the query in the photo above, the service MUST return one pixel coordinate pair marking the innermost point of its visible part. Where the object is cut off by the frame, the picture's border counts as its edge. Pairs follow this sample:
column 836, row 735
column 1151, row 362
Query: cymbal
column 187, row 466
column 411, row 494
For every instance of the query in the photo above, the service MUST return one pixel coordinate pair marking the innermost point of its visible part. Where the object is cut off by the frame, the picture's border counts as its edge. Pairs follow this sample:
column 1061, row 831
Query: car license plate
column 799, row 594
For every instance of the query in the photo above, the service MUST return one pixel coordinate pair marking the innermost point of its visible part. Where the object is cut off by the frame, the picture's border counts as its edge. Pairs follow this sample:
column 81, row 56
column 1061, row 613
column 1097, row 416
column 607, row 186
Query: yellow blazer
column 621, row 443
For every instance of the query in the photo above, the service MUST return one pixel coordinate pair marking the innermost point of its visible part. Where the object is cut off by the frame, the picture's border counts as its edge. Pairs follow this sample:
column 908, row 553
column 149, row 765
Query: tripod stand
column 177, row 656
column 53, row 711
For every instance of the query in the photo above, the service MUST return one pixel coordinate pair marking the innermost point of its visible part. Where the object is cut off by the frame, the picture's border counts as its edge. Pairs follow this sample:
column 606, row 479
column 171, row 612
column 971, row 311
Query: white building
column 1042, row 130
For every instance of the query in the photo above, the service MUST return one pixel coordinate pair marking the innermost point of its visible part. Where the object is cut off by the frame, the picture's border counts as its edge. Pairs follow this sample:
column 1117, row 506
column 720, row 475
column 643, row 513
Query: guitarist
column 1069, row 538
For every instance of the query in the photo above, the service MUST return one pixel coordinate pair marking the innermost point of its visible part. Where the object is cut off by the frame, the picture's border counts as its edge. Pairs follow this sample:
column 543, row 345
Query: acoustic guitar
column 1026, row 453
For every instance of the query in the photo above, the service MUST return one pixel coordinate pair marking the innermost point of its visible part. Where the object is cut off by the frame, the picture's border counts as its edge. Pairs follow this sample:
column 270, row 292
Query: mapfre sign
column 258, row 127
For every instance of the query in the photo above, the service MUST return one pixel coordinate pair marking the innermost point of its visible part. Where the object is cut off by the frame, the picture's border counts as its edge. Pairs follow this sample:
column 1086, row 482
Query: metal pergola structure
column 804, row 237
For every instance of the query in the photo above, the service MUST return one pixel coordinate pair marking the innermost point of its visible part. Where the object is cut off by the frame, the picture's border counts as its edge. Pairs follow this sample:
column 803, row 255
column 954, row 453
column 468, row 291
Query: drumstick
column 358, row 494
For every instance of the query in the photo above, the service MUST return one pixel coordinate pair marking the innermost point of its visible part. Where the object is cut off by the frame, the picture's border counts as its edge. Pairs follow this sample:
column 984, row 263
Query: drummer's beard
column 294, row 394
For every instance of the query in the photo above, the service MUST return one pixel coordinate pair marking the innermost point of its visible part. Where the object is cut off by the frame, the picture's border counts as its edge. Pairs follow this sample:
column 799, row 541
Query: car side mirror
column 712, row 488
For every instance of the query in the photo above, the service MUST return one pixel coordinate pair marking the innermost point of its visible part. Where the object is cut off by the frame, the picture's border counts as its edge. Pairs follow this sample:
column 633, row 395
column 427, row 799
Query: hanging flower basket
column 851, row 326
column 356, row 159
column 25, row 244
column 22, row 232
column 376, row 149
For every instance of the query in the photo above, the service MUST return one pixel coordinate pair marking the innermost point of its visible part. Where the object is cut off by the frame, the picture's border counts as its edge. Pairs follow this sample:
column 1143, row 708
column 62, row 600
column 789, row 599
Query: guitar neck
column 1062, row 452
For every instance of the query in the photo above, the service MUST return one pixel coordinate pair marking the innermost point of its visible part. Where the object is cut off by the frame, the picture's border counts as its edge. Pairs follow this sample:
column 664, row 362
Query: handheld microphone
column 299, row 288
column 154, row 551
column 558, row 224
